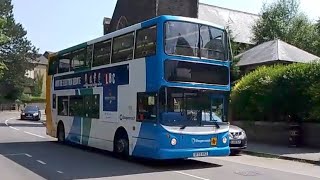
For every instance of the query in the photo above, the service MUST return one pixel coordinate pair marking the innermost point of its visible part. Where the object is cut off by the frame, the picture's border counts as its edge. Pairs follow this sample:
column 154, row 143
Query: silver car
column 238, row 140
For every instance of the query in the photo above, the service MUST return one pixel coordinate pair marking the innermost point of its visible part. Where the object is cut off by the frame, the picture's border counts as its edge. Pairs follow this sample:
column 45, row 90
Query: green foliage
column 31, row 99
column 282, row 20
column 3, row 38
column 236, row 49
column 277, row 93
column 25, row 98
column 276, row 21
column 38, row 99
column 16, row 53
column 37, row 91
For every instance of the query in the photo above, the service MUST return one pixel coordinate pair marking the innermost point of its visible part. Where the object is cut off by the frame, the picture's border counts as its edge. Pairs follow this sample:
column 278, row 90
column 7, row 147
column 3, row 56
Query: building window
column 146, row 107
column 63, row 105
column 146, row 42
column 122, row 49
column 102, row 53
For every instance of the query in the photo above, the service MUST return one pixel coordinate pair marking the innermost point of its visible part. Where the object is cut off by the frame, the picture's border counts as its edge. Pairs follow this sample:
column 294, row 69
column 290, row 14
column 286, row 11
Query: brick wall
column 129, row 12
column 187, row 8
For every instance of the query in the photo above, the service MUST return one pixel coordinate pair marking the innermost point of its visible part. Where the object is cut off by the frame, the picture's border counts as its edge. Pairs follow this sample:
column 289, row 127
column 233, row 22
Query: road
column 27, row 153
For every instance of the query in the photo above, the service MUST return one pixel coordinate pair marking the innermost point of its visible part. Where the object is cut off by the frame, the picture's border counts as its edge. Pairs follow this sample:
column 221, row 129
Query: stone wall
column 278, row 132
column 129, row 12
column 186, row 8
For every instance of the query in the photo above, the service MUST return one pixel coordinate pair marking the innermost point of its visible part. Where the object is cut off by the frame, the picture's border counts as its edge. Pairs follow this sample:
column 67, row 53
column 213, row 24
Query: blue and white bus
column 158, row 89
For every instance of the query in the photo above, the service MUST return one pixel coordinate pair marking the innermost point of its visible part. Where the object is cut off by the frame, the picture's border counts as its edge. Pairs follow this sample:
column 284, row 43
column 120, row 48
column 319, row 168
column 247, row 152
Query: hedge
column 278, row 93
column 32, row 99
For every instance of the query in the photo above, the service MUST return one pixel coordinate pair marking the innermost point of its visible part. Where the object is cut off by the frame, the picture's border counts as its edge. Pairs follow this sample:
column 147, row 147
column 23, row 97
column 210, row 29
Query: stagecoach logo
column 122, row 117
column 194, row 140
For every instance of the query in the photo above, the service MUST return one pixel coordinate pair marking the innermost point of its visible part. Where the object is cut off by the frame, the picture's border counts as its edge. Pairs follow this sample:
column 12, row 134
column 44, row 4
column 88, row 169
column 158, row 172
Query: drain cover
column 247, row 173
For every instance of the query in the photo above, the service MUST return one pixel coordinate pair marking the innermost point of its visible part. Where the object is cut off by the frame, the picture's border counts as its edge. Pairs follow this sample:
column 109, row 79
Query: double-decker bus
column 158, row 89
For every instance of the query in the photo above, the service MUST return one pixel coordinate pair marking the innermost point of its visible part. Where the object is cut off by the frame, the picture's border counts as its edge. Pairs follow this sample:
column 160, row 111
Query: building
column 272, row 52
column 38, row 73
column 239, row 23
column 129, row 12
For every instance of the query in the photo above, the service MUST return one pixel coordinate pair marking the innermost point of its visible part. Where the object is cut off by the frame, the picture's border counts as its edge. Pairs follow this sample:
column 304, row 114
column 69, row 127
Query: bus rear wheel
column 121, row 146
column 60, row 133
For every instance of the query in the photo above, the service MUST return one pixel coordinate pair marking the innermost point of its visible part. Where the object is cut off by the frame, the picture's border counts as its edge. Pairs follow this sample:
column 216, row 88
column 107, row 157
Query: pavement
column 302, row 154
column 26, row 152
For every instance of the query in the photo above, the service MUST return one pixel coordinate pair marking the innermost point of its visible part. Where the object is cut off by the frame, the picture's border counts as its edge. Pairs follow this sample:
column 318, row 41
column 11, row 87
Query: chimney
column 106, row 25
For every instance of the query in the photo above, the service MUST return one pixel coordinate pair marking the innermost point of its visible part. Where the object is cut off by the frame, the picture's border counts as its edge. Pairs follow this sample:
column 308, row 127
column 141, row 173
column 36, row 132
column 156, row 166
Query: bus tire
column 121, row 144
column 61, row 133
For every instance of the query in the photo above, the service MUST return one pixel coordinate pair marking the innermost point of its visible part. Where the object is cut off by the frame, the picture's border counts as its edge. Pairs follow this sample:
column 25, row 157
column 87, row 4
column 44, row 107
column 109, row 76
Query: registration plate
column 235, row 142
column 200, row 154
column 213, row 141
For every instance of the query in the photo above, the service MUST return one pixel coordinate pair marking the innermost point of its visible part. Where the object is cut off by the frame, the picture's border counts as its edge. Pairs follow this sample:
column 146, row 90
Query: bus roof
column 131, row 28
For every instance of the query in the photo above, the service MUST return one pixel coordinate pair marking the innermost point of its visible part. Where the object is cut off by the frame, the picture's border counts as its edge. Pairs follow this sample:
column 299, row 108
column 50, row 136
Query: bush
column 38, row 99
column 31, row 99
column 277, row 93
column 25, row 98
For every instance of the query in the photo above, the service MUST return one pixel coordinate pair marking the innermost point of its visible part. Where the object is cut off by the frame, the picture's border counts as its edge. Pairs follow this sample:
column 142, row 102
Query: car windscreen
column 31, row 108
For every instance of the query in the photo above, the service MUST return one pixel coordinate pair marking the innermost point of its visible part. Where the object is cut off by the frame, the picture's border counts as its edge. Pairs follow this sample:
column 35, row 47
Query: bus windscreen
column 181, row 71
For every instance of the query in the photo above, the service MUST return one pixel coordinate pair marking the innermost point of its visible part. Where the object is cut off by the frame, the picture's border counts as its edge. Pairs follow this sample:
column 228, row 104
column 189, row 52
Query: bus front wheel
column 121, row 146
column 60, row 133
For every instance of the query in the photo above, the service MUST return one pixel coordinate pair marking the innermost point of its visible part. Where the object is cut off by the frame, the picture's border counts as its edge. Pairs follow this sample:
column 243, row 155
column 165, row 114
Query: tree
column 303, row 34
column 3, row 39
column 38, row 83
column 282, row 20
column 16, row 53
column 276, row 21
column 236, row 49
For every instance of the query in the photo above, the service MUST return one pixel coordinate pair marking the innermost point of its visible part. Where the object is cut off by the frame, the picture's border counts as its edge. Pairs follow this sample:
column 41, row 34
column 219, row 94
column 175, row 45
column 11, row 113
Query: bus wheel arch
column 121, row 142
column 61, row 132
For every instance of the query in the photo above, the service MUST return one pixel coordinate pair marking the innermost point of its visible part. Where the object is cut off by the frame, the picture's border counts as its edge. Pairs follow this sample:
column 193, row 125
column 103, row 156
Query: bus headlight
column 224, row 140
column 173, row 141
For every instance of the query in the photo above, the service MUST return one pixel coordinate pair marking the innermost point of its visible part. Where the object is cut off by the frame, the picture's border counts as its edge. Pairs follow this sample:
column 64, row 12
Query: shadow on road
column 76, row 162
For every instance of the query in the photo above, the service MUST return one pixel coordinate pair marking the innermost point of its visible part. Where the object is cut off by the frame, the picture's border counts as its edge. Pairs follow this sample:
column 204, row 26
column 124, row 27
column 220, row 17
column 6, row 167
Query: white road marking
column 33, row 134
column 60, row 172
column 6, row 122
column 28, row 155
column 41, row 162
column 14, row 128
column 15, row 154
column 186, row 174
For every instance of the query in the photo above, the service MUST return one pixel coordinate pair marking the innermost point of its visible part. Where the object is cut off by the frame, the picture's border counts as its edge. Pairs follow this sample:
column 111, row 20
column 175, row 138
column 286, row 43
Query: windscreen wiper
column 183, row 126
column 216, row 123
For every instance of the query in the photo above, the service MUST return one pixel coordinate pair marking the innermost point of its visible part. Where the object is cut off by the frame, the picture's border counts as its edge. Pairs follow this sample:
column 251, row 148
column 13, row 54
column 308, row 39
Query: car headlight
column 23, row 113
column 36, row 114
column 243, row 135
column 224, row 140
column 173, row 141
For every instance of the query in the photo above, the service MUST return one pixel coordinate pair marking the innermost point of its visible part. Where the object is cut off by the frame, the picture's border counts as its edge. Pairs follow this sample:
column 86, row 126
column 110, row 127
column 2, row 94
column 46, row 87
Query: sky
column 53, row 25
